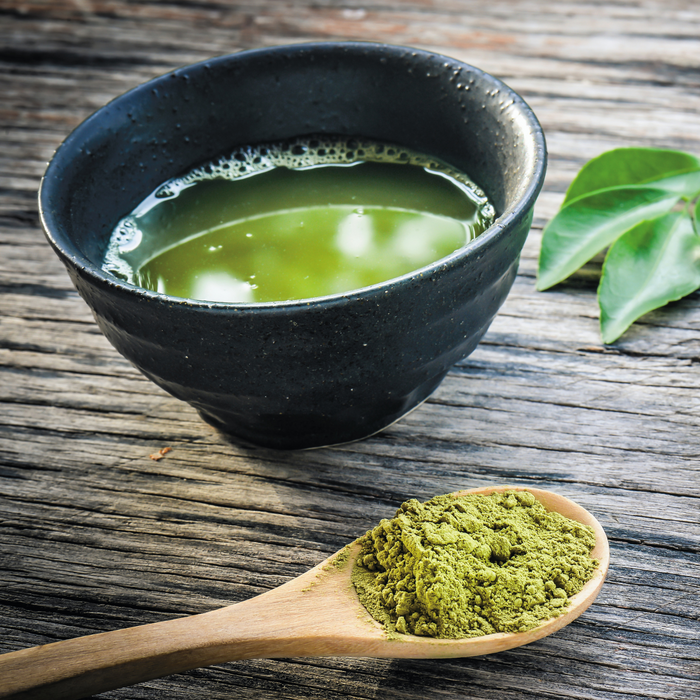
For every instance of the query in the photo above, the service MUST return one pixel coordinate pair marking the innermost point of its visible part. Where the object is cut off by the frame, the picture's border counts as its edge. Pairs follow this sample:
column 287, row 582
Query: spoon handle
column 308, row 616
column 80, row 667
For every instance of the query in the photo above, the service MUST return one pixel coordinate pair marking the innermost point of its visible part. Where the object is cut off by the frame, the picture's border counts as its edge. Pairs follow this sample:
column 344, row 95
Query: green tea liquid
column 295, row 226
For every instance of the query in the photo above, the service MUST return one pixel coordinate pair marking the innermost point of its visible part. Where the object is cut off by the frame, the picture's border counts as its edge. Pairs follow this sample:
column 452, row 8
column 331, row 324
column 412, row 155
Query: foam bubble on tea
column 296, row 220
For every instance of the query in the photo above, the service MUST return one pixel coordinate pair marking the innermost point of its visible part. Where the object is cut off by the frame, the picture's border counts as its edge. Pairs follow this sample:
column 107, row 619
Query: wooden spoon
column 316, row 614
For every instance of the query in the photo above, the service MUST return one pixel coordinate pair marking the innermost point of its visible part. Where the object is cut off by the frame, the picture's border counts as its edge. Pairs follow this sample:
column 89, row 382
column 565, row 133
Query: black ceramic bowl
column 332, row 369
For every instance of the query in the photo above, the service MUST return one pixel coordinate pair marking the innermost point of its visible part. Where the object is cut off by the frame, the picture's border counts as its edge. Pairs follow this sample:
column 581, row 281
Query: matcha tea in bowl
column 192, row 214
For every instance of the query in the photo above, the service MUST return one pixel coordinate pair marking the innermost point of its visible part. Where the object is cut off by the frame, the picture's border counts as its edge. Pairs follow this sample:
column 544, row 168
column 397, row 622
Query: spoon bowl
column 316, row 614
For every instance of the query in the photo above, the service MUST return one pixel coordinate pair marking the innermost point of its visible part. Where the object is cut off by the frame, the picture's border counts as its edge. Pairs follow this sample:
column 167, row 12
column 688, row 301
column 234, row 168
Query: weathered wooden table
column 96, row 535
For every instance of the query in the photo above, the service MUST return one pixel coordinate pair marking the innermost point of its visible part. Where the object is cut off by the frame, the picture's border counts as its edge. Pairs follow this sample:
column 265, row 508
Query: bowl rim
column 73, row 256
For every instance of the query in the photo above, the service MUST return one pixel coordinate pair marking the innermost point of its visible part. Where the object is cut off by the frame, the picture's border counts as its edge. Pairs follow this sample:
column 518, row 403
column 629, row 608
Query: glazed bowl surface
column 318, row 371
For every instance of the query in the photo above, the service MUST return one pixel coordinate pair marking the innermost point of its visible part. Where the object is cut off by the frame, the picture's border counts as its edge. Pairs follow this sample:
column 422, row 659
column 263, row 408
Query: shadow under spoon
column 316, row 614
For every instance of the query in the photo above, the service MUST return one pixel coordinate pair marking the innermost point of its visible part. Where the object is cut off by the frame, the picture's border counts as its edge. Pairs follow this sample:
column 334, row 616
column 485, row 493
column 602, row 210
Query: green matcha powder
column 465, row 566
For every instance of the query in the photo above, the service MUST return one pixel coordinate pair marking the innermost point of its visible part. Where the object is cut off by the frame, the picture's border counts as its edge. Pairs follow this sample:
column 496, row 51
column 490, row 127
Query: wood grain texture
column 95, row 535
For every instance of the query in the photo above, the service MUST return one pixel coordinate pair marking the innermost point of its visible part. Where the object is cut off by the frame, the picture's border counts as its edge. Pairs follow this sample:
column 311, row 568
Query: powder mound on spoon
column 470, row 565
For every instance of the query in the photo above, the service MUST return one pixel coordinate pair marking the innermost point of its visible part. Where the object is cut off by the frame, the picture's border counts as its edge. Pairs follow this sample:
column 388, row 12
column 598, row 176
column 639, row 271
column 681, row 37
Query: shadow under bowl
column 327, row 370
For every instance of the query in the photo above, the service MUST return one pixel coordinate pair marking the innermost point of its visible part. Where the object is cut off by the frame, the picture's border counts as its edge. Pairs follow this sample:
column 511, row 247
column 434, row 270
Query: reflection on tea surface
column 296, row 221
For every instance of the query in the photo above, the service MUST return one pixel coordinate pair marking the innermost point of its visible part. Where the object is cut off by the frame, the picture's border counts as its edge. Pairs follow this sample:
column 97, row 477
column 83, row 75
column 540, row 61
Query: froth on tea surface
column 297, row 220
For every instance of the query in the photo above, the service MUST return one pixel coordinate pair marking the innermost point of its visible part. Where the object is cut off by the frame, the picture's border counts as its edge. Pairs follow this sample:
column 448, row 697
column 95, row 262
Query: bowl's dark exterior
column 314, row 372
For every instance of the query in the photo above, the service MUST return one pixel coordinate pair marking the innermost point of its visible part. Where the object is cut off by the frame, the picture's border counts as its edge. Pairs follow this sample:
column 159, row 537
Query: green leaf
column 623, row 199
column 621, row 167
column 685, row 185
column 656, row 262
column 590, row 223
